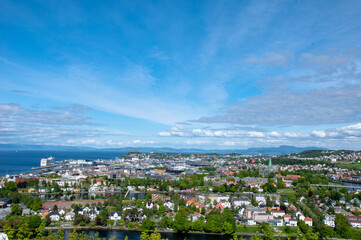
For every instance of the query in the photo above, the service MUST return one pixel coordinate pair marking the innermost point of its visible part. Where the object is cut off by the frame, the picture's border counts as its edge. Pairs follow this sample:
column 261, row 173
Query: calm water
column 14, row 162
column 120, row 235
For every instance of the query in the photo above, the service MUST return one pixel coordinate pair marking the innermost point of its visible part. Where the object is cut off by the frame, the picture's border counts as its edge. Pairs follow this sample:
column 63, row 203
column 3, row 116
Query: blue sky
column 183, row 74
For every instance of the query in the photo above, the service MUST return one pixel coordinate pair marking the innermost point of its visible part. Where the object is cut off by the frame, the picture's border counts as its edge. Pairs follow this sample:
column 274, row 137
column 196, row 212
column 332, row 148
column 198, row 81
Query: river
column 133, row 235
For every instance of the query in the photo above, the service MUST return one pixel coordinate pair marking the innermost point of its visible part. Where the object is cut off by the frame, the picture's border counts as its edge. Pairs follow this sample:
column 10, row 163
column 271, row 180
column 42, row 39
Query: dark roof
column 5, row 200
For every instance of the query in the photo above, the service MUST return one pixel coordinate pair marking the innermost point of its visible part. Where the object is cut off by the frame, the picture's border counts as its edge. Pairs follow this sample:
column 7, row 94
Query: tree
column 40, row 230
column 15, row 210
column 228, row 228
column 9, row 230
column 280, row 183
column 147, row 224
column 34, row 221
column 11, row 186
column 24, row 232
column 254, row 203
column 161, row 210
column 152, row 236
column 165, row 222
column 342, row 227
column 198, row 225
column 36, row 205
column 181, row 223
column 267, row 231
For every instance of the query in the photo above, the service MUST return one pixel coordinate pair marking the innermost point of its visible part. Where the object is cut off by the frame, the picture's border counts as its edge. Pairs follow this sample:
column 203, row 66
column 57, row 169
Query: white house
column 238, row 202
column 115, row 216
column 169, row 204
column 329, row 220
column 69, row 216
column 54, row 216
column 279, row 213
column 92, row 214
column 225, row 204
column 308, row 221
column 292, row 223
column 62, row 212
column 251, row 222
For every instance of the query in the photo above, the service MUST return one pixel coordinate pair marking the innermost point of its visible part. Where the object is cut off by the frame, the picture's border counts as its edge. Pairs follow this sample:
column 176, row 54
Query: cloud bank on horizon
column 210, row 74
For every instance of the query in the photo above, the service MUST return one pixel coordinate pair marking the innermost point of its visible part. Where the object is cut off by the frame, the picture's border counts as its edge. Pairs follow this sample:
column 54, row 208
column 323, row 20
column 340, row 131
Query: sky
column 182, row 74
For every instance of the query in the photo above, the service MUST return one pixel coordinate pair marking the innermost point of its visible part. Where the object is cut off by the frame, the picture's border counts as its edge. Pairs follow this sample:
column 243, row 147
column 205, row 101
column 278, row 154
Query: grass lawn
column 288, row 191
column 241, row 228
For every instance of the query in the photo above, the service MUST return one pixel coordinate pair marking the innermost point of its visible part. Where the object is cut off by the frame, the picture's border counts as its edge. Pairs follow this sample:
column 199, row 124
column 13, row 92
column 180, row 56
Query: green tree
column 11, row 186
column 8, row 230
column 342, row 227
column 198, row 225
column 40, row 230
column 147, row 224
column 254, row 203
column 37, row 204
column 181, row 223
column 34, row 221
column 15, row 210
column 24, row 232
column 228, row 228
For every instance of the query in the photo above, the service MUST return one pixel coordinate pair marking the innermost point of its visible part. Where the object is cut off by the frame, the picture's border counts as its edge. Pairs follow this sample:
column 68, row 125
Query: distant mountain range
column 250, row 151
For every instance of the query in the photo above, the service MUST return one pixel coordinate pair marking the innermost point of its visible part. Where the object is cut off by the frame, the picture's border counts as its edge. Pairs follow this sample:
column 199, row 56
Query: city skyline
column 205, row 74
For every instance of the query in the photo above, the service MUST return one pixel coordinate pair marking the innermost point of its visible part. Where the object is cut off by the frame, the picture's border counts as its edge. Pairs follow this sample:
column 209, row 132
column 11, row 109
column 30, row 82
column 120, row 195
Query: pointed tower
column 270, row 165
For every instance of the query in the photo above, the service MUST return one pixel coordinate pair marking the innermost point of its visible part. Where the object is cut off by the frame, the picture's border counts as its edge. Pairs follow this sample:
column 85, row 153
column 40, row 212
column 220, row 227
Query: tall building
column 45, row 162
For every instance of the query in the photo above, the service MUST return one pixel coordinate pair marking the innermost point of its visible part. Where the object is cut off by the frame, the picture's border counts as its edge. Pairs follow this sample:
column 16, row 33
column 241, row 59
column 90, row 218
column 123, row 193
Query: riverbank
column 170, row 231
column 120, row 233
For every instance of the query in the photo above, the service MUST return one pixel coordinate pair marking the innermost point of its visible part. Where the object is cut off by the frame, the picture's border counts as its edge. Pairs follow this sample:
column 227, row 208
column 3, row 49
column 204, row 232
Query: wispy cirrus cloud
column 273, row 58
column 322, row 106
column 12, row 112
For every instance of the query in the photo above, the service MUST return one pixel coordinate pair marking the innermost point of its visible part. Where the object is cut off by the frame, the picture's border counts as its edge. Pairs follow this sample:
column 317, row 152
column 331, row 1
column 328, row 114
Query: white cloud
column 286, row 107
column 138, row 141
column 268, row 58
column 319, row 133
column 198, row 142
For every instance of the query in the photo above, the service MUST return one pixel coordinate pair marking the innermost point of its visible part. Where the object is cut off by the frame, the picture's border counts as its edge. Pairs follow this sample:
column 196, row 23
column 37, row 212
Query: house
column 250, row 211
column 238, row 202
column 92, row 214
column 329, row 220
column 278, row 213
column 219, row 206
column 300, row 216
column 62, row 212
column 225, row 204
column 115, row 216
column 69, row 216
column 44, row 214
column 194, row 217
column 150, row 205
column 262, row 217
column 159, row 197
column 26, row 211
column 196, row 204
column 355, row 221
column 54, row 216
column 4, row 202
column 251, row 222
column 276, row 222
column 292, row 222
column 308, row 221
column 31, row 190
column 287, row 218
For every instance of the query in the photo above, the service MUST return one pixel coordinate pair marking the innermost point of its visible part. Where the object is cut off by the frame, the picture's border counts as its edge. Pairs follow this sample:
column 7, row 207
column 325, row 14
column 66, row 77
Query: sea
column 15, row 162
